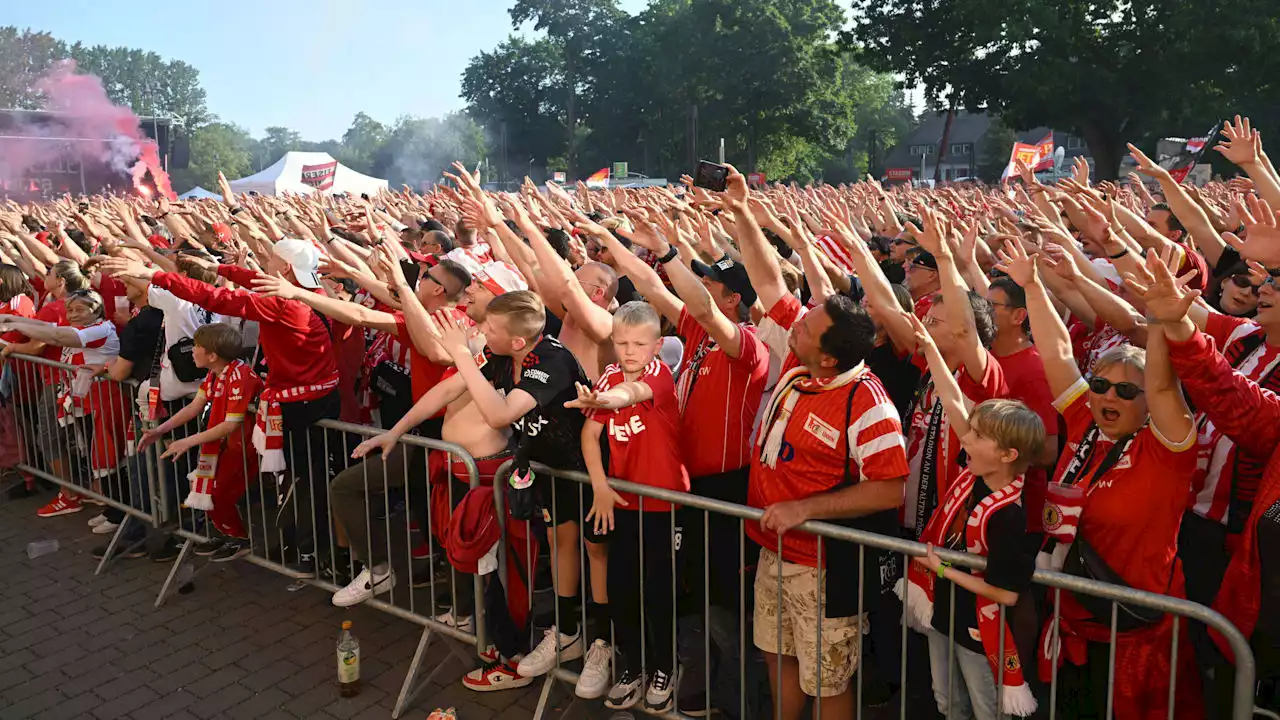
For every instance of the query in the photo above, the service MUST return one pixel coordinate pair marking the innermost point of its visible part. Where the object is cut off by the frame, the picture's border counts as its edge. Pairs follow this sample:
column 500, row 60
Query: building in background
column 970, row 150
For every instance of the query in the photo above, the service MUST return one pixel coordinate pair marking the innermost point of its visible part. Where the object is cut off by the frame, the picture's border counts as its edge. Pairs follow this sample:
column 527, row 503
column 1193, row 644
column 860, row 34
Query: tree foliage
column 661, row 88
column 1111, row 71
column 216, row 146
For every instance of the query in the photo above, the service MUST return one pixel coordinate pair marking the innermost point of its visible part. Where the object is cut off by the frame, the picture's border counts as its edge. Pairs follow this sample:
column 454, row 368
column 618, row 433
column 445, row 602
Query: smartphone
column 712, row 176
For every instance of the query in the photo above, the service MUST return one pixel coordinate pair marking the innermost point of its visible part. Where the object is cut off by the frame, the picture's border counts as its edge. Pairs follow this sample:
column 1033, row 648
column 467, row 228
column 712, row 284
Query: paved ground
column 242, row 645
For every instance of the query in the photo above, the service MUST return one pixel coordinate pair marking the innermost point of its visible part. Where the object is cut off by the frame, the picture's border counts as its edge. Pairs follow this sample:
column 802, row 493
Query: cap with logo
column 303, row 257
column 499, row 278
column 731, row 275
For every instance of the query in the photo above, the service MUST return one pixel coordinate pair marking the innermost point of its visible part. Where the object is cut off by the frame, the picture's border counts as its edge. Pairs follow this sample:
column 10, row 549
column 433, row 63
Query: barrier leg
column 547, row 685
column 411, row 687
column 169, row 582
column 111, row 546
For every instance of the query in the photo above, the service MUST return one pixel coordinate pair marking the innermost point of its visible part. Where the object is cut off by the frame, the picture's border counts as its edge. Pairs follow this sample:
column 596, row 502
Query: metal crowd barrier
column 82, row 446
column 279, row 514
column 1054, row 582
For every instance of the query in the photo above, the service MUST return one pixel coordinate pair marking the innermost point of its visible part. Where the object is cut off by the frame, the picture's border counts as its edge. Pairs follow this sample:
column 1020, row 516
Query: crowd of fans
column 1075, row 376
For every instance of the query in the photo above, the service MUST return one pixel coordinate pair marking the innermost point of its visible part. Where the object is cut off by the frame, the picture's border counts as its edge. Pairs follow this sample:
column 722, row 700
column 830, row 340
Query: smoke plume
column 92, row 129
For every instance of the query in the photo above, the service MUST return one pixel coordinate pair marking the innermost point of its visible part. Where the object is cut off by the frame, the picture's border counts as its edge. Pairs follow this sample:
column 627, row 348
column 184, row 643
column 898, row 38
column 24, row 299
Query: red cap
column 222, row 231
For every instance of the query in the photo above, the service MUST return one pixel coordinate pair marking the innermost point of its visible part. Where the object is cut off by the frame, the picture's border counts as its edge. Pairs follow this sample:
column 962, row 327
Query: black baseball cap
column 731, row 275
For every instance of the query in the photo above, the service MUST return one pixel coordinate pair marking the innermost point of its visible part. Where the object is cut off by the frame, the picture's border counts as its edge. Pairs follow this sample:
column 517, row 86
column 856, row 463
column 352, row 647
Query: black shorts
column 562, row 500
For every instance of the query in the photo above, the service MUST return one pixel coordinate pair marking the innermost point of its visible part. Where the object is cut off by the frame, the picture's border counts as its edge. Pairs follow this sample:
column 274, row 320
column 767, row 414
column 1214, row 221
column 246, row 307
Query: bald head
column 600, row 282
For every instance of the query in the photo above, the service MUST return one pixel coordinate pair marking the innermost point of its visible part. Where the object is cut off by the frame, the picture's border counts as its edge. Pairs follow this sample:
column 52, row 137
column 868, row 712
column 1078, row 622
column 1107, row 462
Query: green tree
column 146, row 83
column 216, row 146
column 417, row 150
column 277, row 141
column 25, row 56
column 580, row 29
column 1110, row 71
column 360, row 143
column 514, row 91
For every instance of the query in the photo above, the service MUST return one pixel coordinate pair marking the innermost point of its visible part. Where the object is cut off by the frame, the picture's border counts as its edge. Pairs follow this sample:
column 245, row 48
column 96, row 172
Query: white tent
column 306, row 172
column 199, row 193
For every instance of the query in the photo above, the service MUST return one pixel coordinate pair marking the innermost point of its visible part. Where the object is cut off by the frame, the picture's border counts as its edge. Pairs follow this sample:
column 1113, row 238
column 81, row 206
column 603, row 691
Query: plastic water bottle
column 41, row 547
column 348, row 662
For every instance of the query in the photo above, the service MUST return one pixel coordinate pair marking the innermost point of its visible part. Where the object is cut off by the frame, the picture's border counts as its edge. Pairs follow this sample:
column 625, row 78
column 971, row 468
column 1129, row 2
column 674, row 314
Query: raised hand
column 1015, row 263
column 1239, row 145
column 1146, row 165
column 1165, row 296
column 273, row 286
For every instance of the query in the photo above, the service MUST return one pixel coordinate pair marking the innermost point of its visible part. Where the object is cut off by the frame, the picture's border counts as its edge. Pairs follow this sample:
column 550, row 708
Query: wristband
column 942, row 568
column 672, row 252
column 234, row 210
column 1118, row 255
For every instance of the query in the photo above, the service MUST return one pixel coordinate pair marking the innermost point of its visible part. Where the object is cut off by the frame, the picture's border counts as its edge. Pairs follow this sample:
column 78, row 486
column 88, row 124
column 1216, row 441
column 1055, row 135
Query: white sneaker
column 627, row 692
column 106, row 527
column 364, row 587
column 463, row 623
column 97, row 520
column 594, row 678
column 661, row 695
column 543, row 657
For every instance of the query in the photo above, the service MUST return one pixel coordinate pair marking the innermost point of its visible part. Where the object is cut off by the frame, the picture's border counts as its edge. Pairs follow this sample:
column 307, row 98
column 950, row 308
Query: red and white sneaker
column 63, row 504
column 495, row 676
column 490, row 655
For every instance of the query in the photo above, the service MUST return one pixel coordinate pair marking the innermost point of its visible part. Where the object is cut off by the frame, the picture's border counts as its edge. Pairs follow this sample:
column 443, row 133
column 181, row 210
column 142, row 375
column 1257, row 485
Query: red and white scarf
column 72, row 390
column 268, row 429
column 794, row 383
column 919, row 587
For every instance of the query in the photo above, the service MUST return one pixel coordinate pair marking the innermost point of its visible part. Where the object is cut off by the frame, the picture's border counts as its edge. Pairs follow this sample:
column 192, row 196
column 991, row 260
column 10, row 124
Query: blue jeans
column 973, row 692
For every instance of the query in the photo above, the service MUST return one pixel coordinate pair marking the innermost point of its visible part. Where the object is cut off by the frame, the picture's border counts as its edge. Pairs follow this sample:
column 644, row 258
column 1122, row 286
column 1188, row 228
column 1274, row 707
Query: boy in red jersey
column 635, row 400
column 222, row 476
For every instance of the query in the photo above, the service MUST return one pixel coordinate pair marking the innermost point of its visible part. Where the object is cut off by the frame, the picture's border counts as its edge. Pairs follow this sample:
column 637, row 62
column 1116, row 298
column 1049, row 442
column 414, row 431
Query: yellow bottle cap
column 346, row 624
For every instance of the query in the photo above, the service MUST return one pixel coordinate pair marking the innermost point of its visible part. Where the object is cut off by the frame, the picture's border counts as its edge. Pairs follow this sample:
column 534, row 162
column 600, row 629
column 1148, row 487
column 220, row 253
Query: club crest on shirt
column 822, row 430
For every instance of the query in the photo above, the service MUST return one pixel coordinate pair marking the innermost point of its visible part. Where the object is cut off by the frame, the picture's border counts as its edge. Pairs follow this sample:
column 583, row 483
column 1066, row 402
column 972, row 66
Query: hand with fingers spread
column 600, row 515
column 1147, row 166
column 1166, row 297
column 1262, row 234
column 447, row 330
column 1018, row 265
column 1239, row 145
column 117, row 267
column 273, row 286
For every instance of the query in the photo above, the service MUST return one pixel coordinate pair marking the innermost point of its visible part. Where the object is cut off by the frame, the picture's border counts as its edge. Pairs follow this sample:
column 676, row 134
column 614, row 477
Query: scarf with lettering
column 783, row 403
column 268, row 429
column 918, row 586
column 200, row 496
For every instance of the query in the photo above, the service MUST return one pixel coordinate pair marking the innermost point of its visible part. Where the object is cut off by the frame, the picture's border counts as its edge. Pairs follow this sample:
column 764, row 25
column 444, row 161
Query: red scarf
column 201, row 495
column 1018, row 699
column 268, row 430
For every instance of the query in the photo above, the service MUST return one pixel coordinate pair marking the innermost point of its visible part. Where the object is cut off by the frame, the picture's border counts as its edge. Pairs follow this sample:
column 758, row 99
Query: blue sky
column 309, row 65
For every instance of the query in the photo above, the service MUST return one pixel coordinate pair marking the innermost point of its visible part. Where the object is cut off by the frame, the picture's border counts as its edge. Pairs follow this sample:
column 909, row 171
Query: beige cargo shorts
column 797, row 617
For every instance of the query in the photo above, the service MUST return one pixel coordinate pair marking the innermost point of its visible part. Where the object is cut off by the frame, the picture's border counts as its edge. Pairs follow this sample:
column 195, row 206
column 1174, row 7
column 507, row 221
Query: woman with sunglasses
column 1116, row 502
column 1237, row 293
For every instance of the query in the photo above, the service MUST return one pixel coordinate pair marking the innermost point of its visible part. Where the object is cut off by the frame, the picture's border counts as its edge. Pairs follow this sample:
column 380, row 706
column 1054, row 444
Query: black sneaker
column 205, row 549
column 229, row 551
column 168, row 552
column 305, row 564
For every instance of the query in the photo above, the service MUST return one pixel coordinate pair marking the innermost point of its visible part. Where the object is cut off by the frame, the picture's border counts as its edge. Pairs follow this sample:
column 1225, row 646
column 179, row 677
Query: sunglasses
column 1245, row 282
column 904, row 241
column 1124, row 390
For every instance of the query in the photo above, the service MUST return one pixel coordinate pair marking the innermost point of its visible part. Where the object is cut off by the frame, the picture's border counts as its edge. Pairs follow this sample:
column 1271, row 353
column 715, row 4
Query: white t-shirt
column 100, row 346
column 181, row 319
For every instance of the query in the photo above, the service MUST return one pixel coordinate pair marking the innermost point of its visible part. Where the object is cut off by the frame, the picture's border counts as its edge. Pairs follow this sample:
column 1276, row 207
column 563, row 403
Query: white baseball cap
column 303, row 257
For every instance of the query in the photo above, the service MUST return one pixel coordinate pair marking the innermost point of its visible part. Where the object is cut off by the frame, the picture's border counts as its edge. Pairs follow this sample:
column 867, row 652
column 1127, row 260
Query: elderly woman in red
column 1250, row 416
column 1117, row 501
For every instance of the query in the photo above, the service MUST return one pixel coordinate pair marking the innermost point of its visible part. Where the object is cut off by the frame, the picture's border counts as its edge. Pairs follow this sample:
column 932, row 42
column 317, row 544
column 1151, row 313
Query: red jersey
column 718, row 398
column 1132, row 513
column 923, row 305
column 110, row 288
column 934, row 448
column 18, row 306
column 643, row 438
column 54, row 311
column 1221, row 466
column 1024, row 375
column 294, row 339
column 817, row 447
column 229, row 394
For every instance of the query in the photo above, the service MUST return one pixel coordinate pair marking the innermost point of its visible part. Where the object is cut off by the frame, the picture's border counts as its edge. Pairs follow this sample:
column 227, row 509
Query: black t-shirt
column 1269, row 562
column 627, row 291
column 550, row 373
column 900, row 377
column 1011, row 559
column 139, row 341
column 553, row 326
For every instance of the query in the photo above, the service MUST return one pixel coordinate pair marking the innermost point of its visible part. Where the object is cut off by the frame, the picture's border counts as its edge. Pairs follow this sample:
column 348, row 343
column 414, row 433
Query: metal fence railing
column 1053, row 584
column 394, row 510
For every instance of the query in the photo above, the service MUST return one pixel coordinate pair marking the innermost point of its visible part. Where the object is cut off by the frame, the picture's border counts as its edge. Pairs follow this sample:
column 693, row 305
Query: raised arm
column 875, row 285
column 944, row 382
column 1242, row 146
column 757, row 254
column 1168, row 406
column 1184, row 207
column 343, row 311
column 1052, row 339
column 955, row 293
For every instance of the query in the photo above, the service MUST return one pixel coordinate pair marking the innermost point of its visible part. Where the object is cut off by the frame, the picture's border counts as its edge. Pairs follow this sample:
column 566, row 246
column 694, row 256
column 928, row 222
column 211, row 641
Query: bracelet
column 1118, row 255
column 672, row 252
column 942, row 568
column 235, row 209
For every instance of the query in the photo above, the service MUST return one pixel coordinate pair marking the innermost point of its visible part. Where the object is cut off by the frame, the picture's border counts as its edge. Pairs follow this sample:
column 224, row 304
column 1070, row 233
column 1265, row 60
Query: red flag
column 1044, row 153
column 320, row 177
